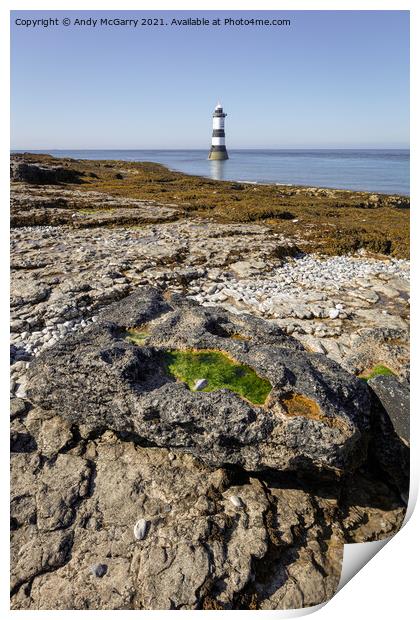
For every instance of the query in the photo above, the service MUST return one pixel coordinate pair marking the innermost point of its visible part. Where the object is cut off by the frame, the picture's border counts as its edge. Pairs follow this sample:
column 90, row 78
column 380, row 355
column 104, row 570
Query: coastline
column 117, row 467
column 194, row 162
column 330, row 221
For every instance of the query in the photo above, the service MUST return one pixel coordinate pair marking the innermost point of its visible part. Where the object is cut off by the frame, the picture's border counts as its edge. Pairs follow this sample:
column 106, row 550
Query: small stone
column 200, row 384
column 333, row 313
column 20, row 392
column 140, row 529
column 17, row 407
column 236, row 501
column 99, row 570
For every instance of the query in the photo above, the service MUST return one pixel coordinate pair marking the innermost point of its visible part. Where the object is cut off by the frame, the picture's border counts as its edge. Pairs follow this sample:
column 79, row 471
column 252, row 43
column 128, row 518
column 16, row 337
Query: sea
column 373, row 170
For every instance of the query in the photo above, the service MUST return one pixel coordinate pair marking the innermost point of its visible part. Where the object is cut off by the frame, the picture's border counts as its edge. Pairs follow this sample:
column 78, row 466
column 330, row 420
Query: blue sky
column 330, row 79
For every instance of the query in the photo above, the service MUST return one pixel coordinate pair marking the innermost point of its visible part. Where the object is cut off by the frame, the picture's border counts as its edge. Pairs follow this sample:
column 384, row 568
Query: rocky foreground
column 131, row 491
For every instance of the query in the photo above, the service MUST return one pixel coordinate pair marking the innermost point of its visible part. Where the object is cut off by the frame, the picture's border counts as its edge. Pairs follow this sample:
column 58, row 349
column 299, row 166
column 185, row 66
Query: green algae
column 220, row 372
column 377, row 371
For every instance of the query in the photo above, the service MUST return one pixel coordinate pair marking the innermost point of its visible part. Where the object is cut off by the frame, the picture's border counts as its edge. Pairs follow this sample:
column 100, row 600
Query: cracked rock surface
column 281, row 548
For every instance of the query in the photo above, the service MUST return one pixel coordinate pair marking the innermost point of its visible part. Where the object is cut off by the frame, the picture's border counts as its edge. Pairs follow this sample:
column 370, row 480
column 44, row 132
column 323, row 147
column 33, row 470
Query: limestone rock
column 51, row 434
column 18, row 407
column 202, row 552
column 369, row 510
column 315, row 416
column 42, row 174
column 390, row 430
column 395, row 398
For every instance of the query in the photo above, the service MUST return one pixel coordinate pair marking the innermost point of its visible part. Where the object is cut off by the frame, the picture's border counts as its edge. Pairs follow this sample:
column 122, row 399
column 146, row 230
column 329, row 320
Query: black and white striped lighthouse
column 218, row 147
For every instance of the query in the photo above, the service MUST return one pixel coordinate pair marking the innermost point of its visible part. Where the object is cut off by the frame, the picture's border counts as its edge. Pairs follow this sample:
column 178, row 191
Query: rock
column 99, row 570
column 57, row 497
column 51, row 434
column 365, row 295
column 26, row 291
column 200, row 554
column 200, row 384
column 316, row 414
column 364, row 503
column 289, row 511
column 18, row 407
column 20, row 391
column 236, row 501
column 140, row 529
column 379, row 345
column 284, row 549
column 395, row 399
column 43, row 174
column 390, row 430
column 243, row 269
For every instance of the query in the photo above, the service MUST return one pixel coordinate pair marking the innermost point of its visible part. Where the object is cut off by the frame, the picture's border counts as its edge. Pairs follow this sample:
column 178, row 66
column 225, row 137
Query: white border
column 387, row 585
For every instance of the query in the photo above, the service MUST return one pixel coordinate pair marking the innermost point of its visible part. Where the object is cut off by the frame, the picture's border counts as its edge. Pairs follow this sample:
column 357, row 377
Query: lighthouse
column 218, row 147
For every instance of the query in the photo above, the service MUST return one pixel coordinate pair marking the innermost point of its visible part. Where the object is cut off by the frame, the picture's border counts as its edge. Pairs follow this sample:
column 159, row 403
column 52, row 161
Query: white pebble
column 236, row 501
column 333, row 313
column 140, row 529
column 200, row 384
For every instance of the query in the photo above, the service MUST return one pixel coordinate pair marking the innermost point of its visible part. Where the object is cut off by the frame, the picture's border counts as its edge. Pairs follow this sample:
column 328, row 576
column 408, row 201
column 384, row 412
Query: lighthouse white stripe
column 218, row 123
column 217, row 141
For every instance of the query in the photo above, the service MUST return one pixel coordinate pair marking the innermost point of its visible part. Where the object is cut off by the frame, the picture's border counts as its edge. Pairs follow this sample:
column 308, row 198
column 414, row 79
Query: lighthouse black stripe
column 218, row 133
column 217, row 147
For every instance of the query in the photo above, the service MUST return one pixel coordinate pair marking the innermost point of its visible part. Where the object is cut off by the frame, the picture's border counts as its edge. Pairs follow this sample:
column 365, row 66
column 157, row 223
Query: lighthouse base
column 218, row 152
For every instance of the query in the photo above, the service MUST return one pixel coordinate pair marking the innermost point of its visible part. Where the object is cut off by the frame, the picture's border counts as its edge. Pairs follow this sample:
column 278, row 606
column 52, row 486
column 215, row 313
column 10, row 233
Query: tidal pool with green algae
column 377, row 371
column 219, row 371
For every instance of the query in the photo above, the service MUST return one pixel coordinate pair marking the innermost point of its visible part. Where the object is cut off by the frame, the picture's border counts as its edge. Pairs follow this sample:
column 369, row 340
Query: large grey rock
column 42, row 174
column 99, row 379
column 391, row 430
column 395, row 398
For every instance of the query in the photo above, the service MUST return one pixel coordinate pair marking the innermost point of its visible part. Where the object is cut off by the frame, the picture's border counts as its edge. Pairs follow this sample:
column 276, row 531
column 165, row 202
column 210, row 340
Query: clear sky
column 330, row 79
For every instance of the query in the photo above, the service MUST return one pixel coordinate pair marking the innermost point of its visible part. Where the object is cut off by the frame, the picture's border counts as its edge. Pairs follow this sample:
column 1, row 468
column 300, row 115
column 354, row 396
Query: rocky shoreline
column 249, row 512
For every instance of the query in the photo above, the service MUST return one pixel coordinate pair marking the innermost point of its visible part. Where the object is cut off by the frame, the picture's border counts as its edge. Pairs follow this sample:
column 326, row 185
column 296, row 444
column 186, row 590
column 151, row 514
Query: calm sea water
column 385, row 171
